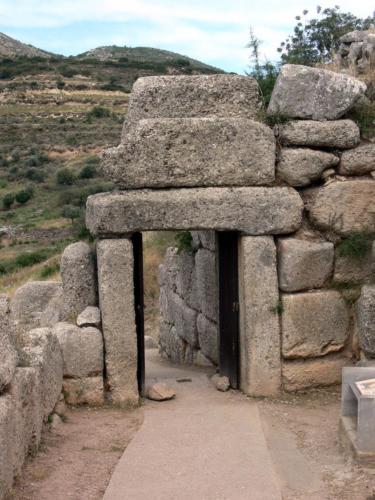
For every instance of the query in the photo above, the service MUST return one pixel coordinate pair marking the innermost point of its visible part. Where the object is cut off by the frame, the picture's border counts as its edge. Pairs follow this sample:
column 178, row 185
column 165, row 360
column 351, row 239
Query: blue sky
column 214, row 31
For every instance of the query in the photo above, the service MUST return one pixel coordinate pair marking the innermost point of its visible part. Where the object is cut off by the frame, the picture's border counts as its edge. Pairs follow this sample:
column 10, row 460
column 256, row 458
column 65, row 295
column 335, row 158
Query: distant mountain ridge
column 10, row 48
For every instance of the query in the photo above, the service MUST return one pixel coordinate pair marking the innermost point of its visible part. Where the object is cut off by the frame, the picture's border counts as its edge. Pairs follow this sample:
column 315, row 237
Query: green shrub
column 183, row 241
column 60, row 84
column 66, row 71
column 88, row 172
column 24, row 195
column 356, row 245
column 71, row 212
column 99, row 112
column 30, row 259
column 34, row 174
column 8, row 201
column 49, row 270
column 65, row 177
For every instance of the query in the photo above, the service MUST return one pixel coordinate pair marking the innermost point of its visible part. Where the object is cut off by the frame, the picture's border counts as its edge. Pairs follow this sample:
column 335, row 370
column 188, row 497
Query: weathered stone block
column 256, row 210
column 42, row 351
column 116, row 296
column 183, row 319
column 365, row 320
column 6, row 444
column 30, row 302
column 358, row 161
column 89, row 317
column 79, row 277
column 298, row 375
column 185, row 274
column 171, row 345
column 89, row 391
column 314, row 93
column 207, row 286
column 344, row 207
column 194, row 96
column 82, row 350
column 341, row 134
column 260, row 363
column 169, row 269
column 313, row 324
column 301, row 166
column 191, row 152
column 207, row 239
column 8, row 354
column 360, row 269
column 304, row 264
column 208, row 338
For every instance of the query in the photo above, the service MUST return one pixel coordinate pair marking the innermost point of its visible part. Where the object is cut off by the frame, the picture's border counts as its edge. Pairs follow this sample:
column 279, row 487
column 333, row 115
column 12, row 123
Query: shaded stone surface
column 358, row 161
column 208, row 338
column 78, row 277
column 255, row 210
column 116, row 296
column 365, row 320
column 260, row 363
column 193, row 96
column 344, row 207
column 360, row 269
column 171, row 345
column 191, row 152
column 8, row 354
column 313, row 93
column 341, row 134
column 304, row 264
column 207, row 287
column 298, row 375
column 221, row 383
column 82, row 350
column 80, row 391
column 313, row 324
column 300, row 166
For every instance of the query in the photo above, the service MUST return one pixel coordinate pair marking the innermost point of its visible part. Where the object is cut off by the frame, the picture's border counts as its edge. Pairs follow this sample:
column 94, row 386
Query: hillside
column 56, row 115
column 9, row 47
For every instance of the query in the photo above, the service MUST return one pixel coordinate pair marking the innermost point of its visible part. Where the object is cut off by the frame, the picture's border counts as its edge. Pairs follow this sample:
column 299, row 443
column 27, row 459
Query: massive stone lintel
column 190, row 152
column 253, row 210
column 193, row 96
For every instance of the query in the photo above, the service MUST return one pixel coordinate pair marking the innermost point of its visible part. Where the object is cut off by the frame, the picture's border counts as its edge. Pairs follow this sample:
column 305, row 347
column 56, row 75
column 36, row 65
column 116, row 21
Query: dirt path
column 76, row 460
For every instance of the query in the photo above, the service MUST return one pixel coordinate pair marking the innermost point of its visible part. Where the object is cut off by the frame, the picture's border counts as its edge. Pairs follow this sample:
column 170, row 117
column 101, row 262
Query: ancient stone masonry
column 357, row 51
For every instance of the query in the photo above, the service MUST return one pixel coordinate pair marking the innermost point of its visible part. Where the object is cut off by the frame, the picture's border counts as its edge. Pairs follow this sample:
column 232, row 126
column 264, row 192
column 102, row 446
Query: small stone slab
column 314, row 93
column 253, row 210
column 89, row 317
column 358, row 161
column 160, row 392
column 191, row 152
column 221, row 382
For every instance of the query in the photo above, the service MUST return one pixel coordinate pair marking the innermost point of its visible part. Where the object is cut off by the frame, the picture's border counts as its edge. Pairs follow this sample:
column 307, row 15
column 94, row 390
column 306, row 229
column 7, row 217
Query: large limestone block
column 30, row 302
column 313, row 324
column 8, row 354
column 357, row 270
column 255, row 210
column 344, row 207
column 78, row 277
column 84, row 391
column 298, row 375
column 208, row 338
column 206, row 239
column 82, row 350
column 185, row 274
column 313, row 93
column 260, row 363
column 6, row 444
column 304, row 264
column 183, row 318
column 168, row 271
column 207, row 285
column 358, row 161
column 301, row 166
column 365, row 316
column 191, row 152
column 194, row 96
column 171, row 345
column 42, row 351
column 341, row 134
column 116, row 297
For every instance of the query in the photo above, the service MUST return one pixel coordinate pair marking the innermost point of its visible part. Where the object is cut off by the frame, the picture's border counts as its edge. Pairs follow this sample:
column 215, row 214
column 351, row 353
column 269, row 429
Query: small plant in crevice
column 356, row 246
column 278, row 308
column 183, row 241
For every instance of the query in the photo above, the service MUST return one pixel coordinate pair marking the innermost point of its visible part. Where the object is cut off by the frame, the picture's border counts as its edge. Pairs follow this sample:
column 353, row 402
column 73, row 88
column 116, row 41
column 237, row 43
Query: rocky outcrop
column 313, row 93
column 357, row 51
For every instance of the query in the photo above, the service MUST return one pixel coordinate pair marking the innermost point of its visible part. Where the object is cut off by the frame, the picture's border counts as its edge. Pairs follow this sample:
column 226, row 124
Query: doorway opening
column 186, row 300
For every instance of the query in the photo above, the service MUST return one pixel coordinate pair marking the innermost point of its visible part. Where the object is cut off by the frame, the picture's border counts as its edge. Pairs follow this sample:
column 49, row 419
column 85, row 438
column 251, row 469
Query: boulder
column 344, row 207
column 82, row 350
column 358, row 161
column 341, row 134
column 79, row 277
column 313, row 324
column 365, row 320
column 89, row 317
column 208, row 338
column 160, row 392
column 221, row 383
column 30, row 302
column 191, row 152
column 254, row 210
column 356, row 270
column 301, row 166
column 84, row 391
column 181, row 96
column 42, row 351
column 314, row 93
column 304, row 264
column 299, row 375
column 8, row 354
column 56, row 310
column 207, row 286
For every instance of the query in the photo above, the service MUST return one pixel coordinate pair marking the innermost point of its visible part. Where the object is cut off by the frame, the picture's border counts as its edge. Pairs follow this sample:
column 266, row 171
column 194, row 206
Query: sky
column 213, row 31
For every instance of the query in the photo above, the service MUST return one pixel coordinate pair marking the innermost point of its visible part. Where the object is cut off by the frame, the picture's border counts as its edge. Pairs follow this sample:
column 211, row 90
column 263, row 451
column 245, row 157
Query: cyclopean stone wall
column 357, row 51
